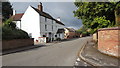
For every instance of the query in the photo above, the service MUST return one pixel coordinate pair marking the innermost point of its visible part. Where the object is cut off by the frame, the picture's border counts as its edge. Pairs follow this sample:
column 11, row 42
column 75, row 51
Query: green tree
column 89, row 11
column 117, row 13
column 6, row 10
column 9, row 23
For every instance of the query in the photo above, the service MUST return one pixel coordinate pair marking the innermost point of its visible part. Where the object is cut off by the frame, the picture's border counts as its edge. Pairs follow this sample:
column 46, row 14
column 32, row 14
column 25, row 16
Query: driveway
column 59, row 54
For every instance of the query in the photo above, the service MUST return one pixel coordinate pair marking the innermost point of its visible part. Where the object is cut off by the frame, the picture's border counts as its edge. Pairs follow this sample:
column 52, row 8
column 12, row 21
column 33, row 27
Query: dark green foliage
column 9, row 30
column 9, row 23
column 9, row 33
column 83, row 30
column 6, row 10
column 97, row 15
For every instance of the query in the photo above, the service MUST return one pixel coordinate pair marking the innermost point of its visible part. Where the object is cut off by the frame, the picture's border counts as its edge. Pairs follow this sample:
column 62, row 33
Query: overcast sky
column 64, row 10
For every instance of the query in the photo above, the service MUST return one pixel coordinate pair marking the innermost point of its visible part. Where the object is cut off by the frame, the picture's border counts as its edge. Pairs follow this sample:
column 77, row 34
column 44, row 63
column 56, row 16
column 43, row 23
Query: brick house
column 70, row 33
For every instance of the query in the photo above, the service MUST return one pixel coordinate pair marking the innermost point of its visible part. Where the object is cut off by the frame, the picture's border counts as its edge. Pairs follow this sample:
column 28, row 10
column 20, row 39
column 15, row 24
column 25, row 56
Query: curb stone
column 86, row 60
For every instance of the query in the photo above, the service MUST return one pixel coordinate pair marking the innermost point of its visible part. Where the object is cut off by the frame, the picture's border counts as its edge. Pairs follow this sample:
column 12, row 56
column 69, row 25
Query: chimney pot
column 58, row 18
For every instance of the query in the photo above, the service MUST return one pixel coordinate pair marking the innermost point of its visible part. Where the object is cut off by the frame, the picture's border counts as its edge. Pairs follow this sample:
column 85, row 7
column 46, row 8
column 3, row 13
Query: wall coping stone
column 113, row 28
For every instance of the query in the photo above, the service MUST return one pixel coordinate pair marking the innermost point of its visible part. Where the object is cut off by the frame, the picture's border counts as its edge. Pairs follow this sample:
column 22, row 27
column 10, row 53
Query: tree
column 89, row 11
column 117, row 13
column 6, row 10
column 9, row 23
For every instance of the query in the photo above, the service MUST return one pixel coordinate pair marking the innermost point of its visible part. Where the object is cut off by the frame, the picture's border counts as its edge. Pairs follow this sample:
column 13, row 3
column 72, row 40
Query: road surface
column 59, row 54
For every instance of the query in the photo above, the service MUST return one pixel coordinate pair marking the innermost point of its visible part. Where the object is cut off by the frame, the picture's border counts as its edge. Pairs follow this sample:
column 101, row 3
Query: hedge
column 10, row 33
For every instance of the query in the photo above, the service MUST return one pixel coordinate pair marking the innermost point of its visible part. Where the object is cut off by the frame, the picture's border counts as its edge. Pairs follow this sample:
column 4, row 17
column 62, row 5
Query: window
column 52, row 27
column 52, row 21
column 45, row 19
column 59, row 35
column 45, row 27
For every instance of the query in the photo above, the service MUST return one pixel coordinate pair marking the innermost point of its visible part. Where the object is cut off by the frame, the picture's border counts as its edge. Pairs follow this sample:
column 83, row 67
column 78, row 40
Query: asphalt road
column 59, row 54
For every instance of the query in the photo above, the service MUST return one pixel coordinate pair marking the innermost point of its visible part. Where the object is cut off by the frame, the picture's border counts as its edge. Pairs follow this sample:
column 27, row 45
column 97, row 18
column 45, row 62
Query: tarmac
column 90, row 54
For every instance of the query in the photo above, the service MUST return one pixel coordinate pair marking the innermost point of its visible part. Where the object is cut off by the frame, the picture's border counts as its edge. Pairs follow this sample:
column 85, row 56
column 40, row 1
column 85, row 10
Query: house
column 38, row 24
column 70, row 33
column 60, row 33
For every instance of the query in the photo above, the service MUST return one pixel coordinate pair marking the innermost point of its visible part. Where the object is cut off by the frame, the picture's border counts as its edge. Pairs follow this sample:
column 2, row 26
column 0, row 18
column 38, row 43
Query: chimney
column 40, row 7
column 14, row 12
column 58, row 18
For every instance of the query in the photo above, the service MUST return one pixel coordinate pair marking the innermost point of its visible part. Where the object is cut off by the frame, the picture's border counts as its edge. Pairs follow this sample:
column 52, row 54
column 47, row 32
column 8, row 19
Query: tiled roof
column 71, row 29
column 60, row 30
column 46, row 15
column 17, row 17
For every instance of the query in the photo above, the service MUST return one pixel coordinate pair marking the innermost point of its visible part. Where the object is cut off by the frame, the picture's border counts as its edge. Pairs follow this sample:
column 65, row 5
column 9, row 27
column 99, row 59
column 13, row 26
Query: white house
column 39, row 24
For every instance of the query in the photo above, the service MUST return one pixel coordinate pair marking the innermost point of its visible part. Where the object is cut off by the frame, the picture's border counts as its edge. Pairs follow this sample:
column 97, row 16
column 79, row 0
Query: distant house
column 60, row 33
column 17, row 19
column 38, row 24
column 70, row 33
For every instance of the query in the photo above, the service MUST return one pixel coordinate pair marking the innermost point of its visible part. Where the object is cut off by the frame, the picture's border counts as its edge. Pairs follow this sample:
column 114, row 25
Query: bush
column 9, row 33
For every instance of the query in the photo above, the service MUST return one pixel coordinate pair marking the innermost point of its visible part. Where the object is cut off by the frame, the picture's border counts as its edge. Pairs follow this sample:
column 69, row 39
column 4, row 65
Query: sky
column 64, row 10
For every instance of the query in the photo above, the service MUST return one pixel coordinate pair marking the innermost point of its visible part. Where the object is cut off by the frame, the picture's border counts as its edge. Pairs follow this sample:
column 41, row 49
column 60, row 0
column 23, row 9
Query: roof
column 71, row 29
column 60, row 30
column 17, row 17
column 46, row 15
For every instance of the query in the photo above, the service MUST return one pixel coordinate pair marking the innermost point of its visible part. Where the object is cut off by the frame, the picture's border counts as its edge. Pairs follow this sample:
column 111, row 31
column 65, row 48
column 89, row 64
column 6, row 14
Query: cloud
column 64, row 10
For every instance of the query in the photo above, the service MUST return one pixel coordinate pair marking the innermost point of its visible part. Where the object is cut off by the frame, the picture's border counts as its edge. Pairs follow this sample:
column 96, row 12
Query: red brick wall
column 108, row 41
column 11, row 44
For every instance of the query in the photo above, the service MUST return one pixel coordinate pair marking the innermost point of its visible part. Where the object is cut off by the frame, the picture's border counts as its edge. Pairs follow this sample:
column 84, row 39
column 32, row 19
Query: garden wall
column 109, row 41
column 16, row 43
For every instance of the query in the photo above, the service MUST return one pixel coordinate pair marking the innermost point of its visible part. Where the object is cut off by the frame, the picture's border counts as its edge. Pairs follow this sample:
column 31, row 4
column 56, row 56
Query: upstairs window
column 56, row 27
column 52, row 27
column 45, row 19
column 45, row 27
column 52, row 21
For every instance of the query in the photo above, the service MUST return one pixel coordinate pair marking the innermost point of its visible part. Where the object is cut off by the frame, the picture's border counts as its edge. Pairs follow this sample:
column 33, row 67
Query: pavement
column 92, row 56
column 55, row 54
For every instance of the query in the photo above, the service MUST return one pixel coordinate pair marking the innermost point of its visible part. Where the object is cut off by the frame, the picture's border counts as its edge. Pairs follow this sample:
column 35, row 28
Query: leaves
column 6, row 10
column 96, row 15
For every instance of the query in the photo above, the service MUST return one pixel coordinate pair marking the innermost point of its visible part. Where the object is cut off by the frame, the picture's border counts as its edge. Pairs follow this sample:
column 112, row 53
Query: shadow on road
column 21, row 49
column 34, row 47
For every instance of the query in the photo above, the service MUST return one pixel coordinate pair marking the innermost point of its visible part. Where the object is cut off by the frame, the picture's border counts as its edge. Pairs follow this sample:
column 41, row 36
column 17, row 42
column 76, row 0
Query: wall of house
column 69, row 34
column 61, row 35
column 34, row 24
column 109, row 41
column 18, row 23
column 49, row 24
column 30, row 23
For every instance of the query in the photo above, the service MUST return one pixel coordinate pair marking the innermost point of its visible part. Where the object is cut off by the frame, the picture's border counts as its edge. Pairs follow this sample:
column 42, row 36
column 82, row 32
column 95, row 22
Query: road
column 59, row 54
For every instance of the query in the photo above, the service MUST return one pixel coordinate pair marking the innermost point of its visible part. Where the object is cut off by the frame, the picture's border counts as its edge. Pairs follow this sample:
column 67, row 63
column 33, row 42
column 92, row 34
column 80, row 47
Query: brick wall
column 11, row 44
column 109, row 41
